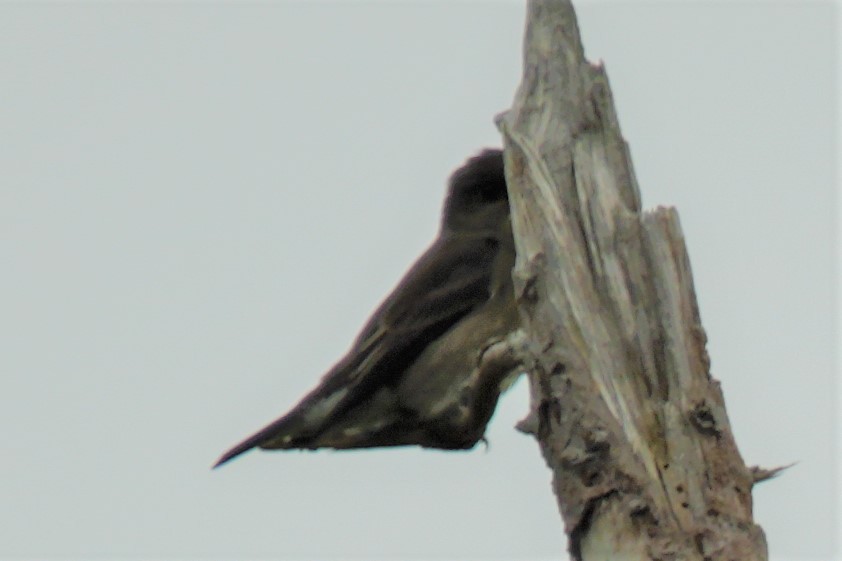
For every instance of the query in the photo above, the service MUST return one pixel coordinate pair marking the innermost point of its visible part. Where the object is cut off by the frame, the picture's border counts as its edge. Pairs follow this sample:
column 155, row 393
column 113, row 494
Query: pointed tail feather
column 275, row 432
column 296, row 429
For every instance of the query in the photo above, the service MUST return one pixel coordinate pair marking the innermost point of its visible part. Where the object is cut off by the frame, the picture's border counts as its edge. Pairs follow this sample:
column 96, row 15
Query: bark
column 627, row 415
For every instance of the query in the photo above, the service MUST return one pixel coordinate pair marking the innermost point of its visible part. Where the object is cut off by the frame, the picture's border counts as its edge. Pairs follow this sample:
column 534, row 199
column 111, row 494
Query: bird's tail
column 277, row 433
column 302, row 427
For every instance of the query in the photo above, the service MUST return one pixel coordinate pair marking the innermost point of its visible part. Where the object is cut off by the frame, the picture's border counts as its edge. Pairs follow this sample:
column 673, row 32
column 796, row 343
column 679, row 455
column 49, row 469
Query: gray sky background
column 201, row 203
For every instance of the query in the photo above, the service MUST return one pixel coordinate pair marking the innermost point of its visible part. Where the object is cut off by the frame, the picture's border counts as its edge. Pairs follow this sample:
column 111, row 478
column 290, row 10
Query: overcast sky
column 201, row 204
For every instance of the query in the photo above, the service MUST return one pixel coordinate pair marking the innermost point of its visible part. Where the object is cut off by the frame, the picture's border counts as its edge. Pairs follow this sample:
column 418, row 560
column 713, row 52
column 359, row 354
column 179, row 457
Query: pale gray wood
column 627, row 415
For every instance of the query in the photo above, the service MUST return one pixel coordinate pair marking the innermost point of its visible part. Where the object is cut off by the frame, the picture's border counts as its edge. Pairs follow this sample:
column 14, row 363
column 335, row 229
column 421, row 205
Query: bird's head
column 477, row 197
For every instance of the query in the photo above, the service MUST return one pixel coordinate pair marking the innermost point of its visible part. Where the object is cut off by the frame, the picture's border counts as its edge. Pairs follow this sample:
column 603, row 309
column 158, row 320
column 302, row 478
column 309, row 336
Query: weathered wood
column 627, row 415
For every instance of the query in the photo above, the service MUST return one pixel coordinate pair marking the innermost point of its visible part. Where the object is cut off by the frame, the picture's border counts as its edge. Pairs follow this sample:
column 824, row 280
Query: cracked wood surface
column 623, row 404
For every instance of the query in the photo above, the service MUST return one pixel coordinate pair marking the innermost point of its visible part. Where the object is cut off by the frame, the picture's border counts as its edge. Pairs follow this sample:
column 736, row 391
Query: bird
column 411, row 376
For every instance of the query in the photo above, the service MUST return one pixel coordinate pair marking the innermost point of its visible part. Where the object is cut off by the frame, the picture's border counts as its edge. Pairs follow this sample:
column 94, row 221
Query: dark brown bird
column 407, row 379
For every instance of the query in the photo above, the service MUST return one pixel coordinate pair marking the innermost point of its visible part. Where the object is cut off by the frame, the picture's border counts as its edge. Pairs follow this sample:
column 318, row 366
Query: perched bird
column 411, row 376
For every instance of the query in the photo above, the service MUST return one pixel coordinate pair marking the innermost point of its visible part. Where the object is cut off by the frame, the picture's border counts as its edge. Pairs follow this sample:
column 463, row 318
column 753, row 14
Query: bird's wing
column 448, row 281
